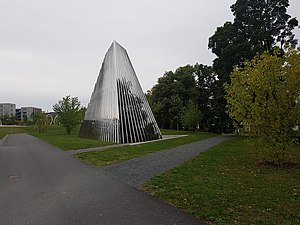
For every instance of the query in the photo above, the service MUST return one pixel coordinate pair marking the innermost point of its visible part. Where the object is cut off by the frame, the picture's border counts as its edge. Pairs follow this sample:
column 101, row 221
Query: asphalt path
column 43, row 185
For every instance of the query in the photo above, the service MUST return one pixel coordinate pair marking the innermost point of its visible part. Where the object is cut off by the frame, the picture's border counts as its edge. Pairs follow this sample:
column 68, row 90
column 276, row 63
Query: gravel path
column 138, row 170
column 100, row 148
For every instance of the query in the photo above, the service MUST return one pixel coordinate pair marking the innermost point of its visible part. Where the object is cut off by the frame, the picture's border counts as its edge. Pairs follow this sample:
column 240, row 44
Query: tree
column 205, row 81
column 258, row 26
column 175, row 110
column 41, row 121
column 265, row 23
column 171, row 94
column 191, row 116
column 264, row 97
column 69, row 111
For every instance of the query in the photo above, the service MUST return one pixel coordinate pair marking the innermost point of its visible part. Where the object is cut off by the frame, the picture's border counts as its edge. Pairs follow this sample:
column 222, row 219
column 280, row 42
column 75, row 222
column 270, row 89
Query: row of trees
column 254, row 83
column 70, row 114
column 184, row 98
column 258, row 27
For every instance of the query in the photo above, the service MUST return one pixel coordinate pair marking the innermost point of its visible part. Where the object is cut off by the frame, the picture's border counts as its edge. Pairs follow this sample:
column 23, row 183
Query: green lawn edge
column 5, row 130
column 120, row 154
column 56, row 135
column 225, row 185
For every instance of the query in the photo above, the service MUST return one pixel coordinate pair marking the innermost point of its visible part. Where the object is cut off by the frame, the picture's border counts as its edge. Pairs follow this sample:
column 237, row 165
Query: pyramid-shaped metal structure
column 118, row 110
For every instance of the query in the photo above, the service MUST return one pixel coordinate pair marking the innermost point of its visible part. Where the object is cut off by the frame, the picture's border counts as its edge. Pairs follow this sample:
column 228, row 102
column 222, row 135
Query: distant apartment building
column 26, row 113
column 7, row 109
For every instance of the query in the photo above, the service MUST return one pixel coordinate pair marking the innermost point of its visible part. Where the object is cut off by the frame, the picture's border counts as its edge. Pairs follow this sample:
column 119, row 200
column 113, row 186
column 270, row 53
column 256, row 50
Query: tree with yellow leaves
column 264, row 97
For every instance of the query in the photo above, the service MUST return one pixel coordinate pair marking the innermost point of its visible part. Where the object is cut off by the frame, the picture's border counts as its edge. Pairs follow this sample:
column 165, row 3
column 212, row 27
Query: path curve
column 43, row 185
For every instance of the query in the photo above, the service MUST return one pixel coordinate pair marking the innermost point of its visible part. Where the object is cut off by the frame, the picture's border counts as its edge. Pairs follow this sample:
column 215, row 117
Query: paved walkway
column 138, row 170
column 40, row 184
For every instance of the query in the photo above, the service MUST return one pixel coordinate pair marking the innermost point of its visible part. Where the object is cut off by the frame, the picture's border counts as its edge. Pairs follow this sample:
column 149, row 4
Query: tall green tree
column 171, row 94
column 264, row 97
column 191, row 116
column 205, row 81
column 70, row 112
column 258, row 26
column 175, row 110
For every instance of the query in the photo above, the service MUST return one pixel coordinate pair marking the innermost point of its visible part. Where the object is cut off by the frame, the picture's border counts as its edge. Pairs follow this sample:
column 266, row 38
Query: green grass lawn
column 11, row 130
column 56, row 135
column 119, row 154
column 226, row 185
column 174, row 132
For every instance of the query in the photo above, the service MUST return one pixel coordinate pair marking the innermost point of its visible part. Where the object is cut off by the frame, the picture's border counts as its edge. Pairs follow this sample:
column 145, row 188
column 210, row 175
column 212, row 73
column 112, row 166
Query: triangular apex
column 115, row 44
column 118, row 110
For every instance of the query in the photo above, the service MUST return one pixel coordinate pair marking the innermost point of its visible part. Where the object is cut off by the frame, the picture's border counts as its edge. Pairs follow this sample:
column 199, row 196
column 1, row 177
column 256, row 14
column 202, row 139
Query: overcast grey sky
column 50, row 49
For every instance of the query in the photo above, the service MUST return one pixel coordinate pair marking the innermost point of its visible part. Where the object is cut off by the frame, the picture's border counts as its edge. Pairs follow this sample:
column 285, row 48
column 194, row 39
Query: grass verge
column 11, row 130
column 56, row 135
column 119, row 154
column 174, row 132
column 225, row 185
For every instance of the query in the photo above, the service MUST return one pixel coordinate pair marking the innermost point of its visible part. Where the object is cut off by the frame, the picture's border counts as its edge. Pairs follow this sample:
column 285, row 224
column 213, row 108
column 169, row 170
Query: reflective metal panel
column 118, row 110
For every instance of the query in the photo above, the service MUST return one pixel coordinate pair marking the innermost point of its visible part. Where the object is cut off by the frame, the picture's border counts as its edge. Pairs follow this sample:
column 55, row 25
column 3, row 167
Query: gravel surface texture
column 138, row 170
column 101, row 148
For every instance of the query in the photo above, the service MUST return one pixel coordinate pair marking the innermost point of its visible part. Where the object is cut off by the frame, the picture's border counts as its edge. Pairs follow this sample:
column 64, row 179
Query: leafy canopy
column 191, row 116
column 264, row 97
column 258, row 26
column 41, row 121
column 172, row 93
column 69, row 111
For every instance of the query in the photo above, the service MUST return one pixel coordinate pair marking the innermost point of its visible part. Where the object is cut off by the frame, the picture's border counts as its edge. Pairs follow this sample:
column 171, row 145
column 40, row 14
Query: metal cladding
column 118, row 110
